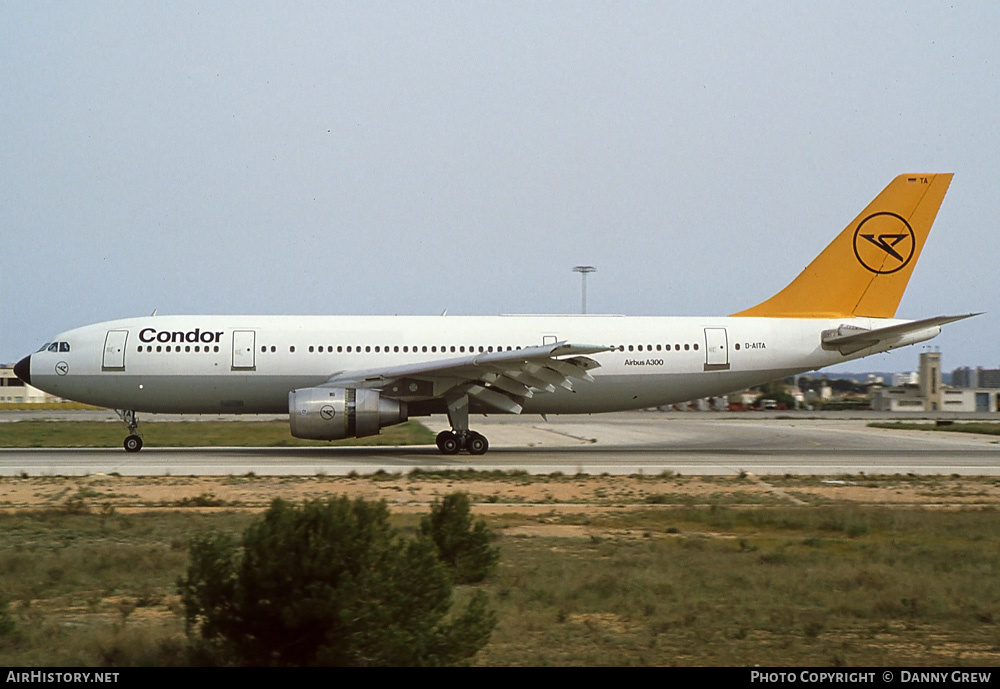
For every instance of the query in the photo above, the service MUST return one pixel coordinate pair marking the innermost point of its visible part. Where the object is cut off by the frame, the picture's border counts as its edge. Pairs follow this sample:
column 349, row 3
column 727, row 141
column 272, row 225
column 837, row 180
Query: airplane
column 350, row 376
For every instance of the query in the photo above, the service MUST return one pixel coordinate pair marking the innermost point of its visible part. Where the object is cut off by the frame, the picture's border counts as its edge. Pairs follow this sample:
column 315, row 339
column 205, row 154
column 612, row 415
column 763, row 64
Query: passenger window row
column 658, row 347
column 397, row 349
column 462, row 349
column 177, row 348
column 379, row 349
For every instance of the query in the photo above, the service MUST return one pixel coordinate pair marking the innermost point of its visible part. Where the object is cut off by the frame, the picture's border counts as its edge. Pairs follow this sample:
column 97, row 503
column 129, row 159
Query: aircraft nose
column 22, row 369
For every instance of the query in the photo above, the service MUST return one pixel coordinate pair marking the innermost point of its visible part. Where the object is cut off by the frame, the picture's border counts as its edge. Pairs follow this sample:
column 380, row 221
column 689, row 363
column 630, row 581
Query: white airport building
column 14, row 391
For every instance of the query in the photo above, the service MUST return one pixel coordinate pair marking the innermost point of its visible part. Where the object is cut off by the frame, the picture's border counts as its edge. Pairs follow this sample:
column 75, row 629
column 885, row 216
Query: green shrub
column 463, row 546
column 327, row 583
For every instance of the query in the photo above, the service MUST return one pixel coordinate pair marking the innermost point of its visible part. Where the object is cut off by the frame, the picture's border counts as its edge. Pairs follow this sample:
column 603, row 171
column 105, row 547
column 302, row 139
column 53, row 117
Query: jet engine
column 334, row 413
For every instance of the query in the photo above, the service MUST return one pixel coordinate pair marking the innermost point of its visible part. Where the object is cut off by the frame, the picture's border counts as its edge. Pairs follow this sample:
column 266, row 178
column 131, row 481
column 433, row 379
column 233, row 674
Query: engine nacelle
column 334, row 413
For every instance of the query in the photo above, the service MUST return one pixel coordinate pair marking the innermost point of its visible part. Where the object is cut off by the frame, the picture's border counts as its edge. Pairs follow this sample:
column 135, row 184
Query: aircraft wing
column 502, row 380
column 849, row 339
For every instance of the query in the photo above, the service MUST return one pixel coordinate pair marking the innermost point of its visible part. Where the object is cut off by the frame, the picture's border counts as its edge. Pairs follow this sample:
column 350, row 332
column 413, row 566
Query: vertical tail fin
column 864, row 271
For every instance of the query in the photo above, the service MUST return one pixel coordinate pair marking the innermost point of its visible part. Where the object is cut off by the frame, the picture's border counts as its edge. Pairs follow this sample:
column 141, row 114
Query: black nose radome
column 22, row 369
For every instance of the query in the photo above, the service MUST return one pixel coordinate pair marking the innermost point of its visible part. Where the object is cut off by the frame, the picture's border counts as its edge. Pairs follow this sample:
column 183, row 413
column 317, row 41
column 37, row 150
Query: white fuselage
column 248, row 364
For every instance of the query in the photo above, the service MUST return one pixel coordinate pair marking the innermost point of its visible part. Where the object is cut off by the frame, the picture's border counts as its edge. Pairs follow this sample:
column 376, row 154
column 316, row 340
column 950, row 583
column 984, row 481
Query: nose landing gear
column 133, row 443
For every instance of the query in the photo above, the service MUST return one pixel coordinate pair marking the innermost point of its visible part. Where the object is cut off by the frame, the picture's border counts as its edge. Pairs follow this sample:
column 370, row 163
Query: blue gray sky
column 412, row 157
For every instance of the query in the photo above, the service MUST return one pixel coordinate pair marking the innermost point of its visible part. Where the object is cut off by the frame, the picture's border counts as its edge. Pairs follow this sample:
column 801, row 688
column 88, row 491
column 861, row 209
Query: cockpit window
column 64, row 346
column 54, row 347
column 44, row 347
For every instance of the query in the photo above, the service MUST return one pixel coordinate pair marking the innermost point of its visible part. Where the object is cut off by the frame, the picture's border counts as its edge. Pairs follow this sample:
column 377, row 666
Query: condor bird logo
column 884, row 243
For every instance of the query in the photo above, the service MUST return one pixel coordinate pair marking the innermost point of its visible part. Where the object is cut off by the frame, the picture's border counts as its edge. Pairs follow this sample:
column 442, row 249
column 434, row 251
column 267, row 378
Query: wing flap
column 572, row 368
column 550, row 376
column 531, row 381
column 497, row 400
column 508, row 385
column 502, row 380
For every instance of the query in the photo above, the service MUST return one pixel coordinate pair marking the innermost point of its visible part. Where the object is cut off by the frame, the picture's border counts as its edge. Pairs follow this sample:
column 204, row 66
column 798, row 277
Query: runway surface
column 626, row 443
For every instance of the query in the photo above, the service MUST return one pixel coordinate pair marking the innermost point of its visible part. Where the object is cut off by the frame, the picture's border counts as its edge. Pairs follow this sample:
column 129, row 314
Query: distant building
column 964, row 377
column 929, row 395
column 989, row 377
column 911, row 378
column 978, row 377
column 14, row 391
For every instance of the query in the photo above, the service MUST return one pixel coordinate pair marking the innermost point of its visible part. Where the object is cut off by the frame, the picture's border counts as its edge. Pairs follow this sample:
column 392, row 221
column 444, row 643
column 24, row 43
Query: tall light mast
column 583, row 270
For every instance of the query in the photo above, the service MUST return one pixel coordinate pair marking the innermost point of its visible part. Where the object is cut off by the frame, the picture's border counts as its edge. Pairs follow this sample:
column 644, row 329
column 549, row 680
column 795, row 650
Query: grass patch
column 419, row 474
column 656, row 584
column 985, row 428
column 803, row 586
column 44, row 406
column 52, row 434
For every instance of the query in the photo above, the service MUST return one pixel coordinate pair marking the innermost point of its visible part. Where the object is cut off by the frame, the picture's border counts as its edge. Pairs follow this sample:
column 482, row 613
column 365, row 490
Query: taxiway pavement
column 625, row 443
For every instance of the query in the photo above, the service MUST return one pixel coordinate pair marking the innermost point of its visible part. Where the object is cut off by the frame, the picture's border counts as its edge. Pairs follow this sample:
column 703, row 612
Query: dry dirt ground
column 520, row 494
column 532, row 505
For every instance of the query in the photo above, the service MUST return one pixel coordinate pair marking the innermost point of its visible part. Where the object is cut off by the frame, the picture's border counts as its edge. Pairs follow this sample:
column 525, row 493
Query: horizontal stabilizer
column 849, row 339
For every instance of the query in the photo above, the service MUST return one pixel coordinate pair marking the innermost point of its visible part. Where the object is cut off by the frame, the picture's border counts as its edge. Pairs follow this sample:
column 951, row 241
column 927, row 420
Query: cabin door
column 243, row 350
column 716, row 349
column 114, row 350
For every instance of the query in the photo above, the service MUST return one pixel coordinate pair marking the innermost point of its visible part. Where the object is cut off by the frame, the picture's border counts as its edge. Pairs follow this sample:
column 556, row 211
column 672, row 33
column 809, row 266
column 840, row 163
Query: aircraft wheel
column 477, row 444
column 448, row 443
column 441, row 437
column 133, row 443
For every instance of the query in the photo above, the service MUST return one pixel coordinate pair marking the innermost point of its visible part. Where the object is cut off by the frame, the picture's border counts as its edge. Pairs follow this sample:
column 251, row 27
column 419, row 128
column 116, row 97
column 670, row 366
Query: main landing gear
column 452, row 442
column 460, row 437
column 133, row 443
